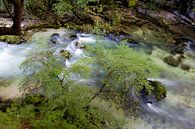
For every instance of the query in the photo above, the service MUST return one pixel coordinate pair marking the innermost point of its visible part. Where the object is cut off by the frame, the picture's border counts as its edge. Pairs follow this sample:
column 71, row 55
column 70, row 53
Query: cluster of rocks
column 66, row 38
column 176, row 59
column 69, row 36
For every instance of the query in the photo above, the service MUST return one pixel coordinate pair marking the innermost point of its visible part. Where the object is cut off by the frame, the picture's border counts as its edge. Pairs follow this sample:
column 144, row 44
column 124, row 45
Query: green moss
column 12, row 39
column 159, row 91
column 66, row 54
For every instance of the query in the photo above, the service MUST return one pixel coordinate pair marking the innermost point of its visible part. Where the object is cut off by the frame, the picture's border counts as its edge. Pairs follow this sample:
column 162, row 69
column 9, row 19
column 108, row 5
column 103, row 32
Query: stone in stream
column 158, row 92
column 65, row 54
column 185, row 66
column 180, row 46
column 80, row 46
column 71, row 35
column 12, row 39
column 54, row 38
column 174, row 60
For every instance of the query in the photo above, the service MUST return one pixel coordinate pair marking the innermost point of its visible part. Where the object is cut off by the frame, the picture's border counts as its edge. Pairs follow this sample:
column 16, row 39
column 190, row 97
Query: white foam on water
column 11, row 56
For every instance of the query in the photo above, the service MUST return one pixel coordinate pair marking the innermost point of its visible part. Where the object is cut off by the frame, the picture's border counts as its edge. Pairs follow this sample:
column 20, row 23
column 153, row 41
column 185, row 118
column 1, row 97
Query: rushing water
column 176, row 111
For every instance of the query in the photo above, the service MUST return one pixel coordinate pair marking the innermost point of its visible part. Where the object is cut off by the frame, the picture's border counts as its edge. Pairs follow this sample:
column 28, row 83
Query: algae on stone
column 12, row 39
column 159, row 90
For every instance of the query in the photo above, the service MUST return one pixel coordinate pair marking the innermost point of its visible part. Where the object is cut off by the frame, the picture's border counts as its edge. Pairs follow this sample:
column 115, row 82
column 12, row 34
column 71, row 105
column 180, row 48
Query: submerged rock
column 11, row 39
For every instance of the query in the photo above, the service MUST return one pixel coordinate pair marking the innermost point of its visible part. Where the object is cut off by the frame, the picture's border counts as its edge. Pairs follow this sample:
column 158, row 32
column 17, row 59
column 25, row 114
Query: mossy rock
column 65, row 54
column 170, row 60
column 11, row 39
column 185, row 66
column 81, row 46
column 159, row 91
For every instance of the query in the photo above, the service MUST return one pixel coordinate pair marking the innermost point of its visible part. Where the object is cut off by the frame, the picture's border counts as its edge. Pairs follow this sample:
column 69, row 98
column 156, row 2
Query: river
column 176, row 111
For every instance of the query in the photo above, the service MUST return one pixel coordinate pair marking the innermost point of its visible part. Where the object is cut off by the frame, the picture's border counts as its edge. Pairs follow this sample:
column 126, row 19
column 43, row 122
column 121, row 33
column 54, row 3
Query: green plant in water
column 64, row 102
column 56, row 101
column 126, row 72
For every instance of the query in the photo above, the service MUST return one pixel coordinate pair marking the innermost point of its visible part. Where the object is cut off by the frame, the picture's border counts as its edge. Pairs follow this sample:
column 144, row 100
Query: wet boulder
column 157, row 93
column 80, row 46
column 171, row 61
column 54, row 38
column 185, row 66
column 174, row 60
column 180, row 46
column 12, row 39
column 66, row 54
column 71, row 35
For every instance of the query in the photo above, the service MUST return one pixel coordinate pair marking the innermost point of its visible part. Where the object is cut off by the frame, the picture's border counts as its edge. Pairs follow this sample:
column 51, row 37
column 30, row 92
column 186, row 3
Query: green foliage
column 68, row 6
column 97, row 28
column 159, row 90
column 132, row 3
column 8, row 122
column 63, row 7
column 125, row 70
column 116, row 18
column 44, row 70
column 54, row 100
column 64, row 104
column 155, row 5
column 40, row 8
column 83, row 3
column 35, row 7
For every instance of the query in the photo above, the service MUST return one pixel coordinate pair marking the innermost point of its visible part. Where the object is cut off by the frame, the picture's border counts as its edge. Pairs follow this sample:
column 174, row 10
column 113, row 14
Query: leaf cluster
column 126, row 71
